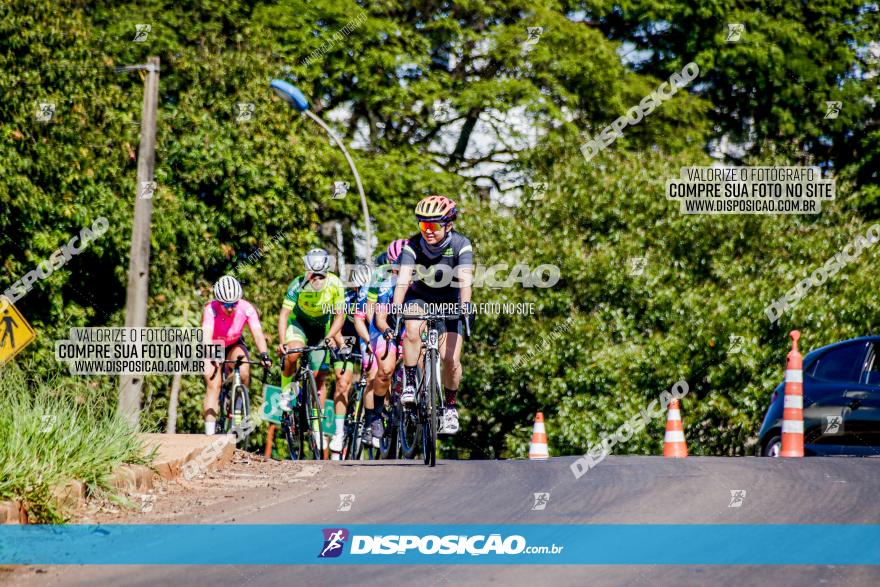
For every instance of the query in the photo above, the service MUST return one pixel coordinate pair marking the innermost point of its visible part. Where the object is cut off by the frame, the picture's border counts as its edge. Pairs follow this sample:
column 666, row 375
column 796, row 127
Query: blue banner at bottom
column 607, row 544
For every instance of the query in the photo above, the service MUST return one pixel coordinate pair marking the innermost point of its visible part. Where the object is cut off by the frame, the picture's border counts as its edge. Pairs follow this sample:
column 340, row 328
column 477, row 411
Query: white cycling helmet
column 361, row 274
column 317, row 261
column 227, row 290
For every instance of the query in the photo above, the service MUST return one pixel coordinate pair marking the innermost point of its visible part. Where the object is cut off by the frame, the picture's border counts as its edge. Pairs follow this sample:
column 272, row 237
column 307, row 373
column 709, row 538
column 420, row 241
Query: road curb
column 173, row 451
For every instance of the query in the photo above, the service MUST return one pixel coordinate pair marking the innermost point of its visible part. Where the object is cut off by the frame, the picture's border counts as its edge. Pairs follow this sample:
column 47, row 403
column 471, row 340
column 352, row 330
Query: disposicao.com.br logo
column 334, row 541
column 431, row 544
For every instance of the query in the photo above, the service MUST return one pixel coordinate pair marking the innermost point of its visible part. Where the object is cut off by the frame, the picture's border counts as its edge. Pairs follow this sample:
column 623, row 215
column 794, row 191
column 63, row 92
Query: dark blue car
column 841, row 402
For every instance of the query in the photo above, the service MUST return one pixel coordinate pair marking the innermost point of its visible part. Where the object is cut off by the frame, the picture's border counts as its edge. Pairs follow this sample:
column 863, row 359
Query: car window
column 872, row 367
column 842, row 364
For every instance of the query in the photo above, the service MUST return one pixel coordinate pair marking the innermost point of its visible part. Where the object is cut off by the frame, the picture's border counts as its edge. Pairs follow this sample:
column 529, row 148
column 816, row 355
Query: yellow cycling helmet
column 436, row 209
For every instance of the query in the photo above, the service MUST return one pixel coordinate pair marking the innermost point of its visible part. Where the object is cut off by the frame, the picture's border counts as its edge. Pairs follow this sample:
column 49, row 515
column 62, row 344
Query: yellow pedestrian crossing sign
column 15, row 332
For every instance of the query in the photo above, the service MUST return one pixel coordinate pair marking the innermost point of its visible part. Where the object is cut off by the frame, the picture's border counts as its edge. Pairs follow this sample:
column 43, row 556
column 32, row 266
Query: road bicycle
column 430, row 401
column 301, row 417
column 235, row 403
column 355, row 417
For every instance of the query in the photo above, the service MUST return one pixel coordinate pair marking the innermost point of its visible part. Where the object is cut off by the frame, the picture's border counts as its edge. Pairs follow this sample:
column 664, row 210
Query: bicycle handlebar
column 432, row 318
column 238, row 363
column 334, row 354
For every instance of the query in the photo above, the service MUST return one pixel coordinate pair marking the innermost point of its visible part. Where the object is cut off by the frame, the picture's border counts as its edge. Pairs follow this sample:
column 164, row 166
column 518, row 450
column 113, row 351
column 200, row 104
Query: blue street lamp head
column 290, row 94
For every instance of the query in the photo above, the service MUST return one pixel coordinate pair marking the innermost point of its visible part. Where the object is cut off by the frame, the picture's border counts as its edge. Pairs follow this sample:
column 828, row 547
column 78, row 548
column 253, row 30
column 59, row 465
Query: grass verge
column 56, row 430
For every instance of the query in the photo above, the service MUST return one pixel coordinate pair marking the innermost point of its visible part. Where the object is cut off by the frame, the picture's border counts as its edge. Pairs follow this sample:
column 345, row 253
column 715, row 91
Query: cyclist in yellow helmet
column 428, row 258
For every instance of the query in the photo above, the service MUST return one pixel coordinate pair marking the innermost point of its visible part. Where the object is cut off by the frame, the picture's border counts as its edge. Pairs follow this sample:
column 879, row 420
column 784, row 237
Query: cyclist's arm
column 403, row 280
column 362, row 316
column 208, row 324
column 287, row 306
column 467, row 277
column 336, row 327
column 253, row 322
column 338, row 303
column 282, row 325
column 465, row 271
column 361, row 327
column 381, row 317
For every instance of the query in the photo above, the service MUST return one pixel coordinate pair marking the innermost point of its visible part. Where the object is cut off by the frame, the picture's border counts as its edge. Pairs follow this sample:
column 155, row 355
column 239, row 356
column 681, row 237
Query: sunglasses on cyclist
column 318, row 276
column 432, row 226
column 229, row 306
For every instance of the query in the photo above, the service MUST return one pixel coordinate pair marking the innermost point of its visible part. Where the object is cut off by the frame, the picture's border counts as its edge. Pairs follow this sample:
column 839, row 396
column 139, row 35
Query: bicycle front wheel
column 241, row 425
column 409, row 421
column 292, row 431
column 224, row 413
column 313, row 411
column 429, row 407
column 410, row 431
column 388, row 443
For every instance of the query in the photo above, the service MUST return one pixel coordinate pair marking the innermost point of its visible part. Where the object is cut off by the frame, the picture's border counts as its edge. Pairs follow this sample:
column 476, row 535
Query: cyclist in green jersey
column 311, row 313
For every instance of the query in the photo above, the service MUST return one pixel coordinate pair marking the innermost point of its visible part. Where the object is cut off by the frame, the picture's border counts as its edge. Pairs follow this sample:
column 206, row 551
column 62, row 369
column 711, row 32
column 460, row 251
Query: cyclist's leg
column 343, row 385
column 315, row 333
column 211, row 404
column 384, row 368
column 294, row 337
column 368, row 365
column 451, row 343
column 412, row 347
column 412, row 335
column 344, row 372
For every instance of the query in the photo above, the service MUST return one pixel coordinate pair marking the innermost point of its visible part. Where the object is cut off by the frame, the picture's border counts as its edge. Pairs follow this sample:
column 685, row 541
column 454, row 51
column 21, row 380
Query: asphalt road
column 621, row 490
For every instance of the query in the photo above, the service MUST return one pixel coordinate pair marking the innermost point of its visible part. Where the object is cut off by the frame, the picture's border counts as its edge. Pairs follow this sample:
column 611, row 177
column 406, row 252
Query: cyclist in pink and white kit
column 223, row 320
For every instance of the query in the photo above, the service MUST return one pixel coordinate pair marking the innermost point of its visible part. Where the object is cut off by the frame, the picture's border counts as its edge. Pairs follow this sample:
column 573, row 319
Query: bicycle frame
column 308, row 412
column 352, row 445
column 233, row 385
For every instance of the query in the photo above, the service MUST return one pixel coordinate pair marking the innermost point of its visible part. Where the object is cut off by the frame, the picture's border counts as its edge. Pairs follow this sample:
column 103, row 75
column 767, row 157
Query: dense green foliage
column 226, row 188
column 56, row 430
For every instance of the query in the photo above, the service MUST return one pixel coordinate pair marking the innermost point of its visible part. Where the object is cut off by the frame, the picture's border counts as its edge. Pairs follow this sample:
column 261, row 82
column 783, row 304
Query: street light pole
column 293, row 96
column 130, row 386
column 357, row 179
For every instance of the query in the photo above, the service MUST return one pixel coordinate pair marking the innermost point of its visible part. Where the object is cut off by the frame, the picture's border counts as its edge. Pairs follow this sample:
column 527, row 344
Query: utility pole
column 130, row 386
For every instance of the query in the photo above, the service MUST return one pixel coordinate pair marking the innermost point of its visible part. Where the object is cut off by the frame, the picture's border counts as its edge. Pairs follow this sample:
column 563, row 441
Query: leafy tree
column 605, row 342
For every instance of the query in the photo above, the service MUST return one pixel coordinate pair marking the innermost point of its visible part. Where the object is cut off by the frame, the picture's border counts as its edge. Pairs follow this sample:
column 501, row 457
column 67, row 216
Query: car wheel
column 773, row 447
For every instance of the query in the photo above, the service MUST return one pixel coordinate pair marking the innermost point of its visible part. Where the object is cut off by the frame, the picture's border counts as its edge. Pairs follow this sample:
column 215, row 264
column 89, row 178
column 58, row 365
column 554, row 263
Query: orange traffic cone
column 538, row 447
column 793, row 402
column 674, row 445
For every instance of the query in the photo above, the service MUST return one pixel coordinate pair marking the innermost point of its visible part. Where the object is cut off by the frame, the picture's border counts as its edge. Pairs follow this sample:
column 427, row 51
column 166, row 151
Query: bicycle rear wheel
column 409, row 422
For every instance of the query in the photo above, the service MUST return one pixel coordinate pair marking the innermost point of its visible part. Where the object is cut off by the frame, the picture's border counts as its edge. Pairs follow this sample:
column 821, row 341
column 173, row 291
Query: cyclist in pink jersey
column 223, row 320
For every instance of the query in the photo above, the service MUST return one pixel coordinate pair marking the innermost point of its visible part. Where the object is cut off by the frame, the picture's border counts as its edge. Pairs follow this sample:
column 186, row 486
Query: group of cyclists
column 317, row 308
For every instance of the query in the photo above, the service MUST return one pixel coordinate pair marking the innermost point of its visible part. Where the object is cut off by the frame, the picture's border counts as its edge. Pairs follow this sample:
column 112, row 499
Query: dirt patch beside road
column 216, row 496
